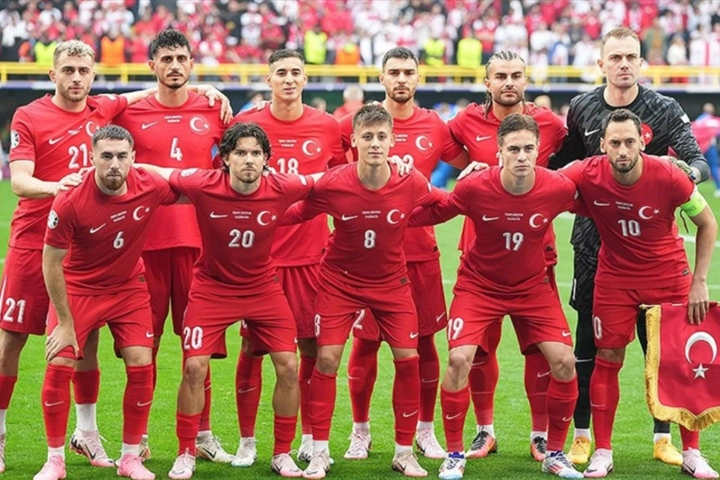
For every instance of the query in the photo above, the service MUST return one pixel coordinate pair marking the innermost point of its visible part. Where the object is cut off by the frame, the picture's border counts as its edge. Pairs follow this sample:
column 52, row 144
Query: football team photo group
column 285, row 232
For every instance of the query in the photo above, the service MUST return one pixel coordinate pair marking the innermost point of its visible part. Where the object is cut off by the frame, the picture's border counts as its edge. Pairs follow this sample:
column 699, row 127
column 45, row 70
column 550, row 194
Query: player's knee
column 195, row 370
column 286, row 367
column 563, row 367
column 11, row 344
column 327, row 361
column 59, row 361
column 458, row 365
column 613, row 355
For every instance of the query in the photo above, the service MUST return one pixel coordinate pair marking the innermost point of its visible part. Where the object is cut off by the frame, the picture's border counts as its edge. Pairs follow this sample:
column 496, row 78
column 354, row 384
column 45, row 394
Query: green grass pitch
column 26, row 449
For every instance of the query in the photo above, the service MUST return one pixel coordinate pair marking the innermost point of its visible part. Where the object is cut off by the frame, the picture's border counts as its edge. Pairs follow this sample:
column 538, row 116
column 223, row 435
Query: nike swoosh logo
column 596, row 406
column 567, row 419
column 477, row 364
column 600, row 204
column 584, row 360
column 96, row 229
column 54, row 404
column 480, row 139
column 489, row 219
column 439, row 317
column 353, row 378
column 217, row 215
column 414, row 334
column 540, row 375
column 566, row 334
column 149, row 334
column 345, row 218
column 145, row 126
column 144, row 404
column 247, row 390
column 408, row 415
column 452, row 417
column 590, row 132
column 53, row 141
column 432, row 380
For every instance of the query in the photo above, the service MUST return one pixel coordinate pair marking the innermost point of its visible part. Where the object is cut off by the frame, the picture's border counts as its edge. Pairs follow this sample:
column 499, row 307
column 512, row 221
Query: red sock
column 604, row 399
column 7, row 385
column 429, row 377
column 362, row 373
column 187, row 427
column 483, row 380
column 205, row 414
column 561, row 399
column 86, row 386
column 56, row 403
column 136, row 403
column 284, row 433
column 248, row 386
column 322, row 403
column 454, row 410
column 406, row 398
column 307, row 365
column 690, row 439
column 537, row 379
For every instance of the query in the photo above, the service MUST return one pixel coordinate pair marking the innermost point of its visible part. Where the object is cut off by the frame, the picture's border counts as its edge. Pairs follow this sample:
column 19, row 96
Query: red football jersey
column 237, row 230
column 105, row 234
column 367, row 244
column 174, row 137
column 507, row 253
column 479, row 135
column 305, row 146
column 421, row 141
column 640, row 246
column 60, row 143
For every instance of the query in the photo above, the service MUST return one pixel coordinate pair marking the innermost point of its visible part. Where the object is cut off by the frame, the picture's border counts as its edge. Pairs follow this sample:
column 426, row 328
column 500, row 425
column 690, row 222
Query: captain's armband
column 695, row 205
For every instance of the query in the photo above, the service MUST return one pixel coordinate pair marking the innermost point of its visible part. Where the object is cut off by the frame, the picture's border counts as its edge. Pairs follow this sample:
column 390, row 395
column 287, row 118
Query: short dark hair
column 517, row 122
column 169, row 38
column 243, row 130
column 112, row 132
column 401, row 53
column 284, row 53
column 371, row 115
column 619, row 33
column 618, row 116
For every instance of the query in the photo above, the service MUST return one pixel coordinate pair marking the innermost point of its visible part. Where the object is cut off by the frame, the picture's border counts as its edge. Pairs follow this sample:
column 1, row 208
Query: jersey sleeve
column 574, row 171
column 22, row 139
column 683, row 187
column 451, row 147
column 345, row 131
column 188, row 182
column 683, row 141
column 437, row 212
column 573, row 147
column 167, row 195
column 61, row 223
column 111, row 105
column 455, row 126
column 296, row 187
column 307, row 209
column 334, row 140
column 425, row 193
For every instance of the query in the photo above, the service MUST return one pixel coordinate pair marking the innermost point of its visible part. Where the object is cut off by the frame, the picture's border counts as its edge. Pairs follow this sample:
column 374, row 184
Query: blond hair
column 73, row 48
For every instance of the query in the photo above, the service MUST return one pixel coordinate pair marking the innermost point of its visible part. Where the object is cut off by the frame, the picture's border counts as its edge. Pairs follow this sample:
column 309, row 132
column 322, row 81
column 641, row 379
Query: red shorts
column 615, row 311
column 537, row 316
column 300, row 285
column 426, row 285
column 23, row 299
column 392, row 305
column 126, row 313
column 169, row 274
column 268, row 317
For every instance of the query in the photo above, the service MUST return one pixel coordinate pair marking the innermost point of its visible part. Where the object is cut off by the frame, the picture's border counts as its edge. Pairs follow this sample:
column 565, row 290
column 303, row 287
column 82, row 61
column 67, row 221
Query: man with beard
column 421, row 139
column 237, row 210
column 476, row 127
column 632, row 197
column 50, row 145
column 665, row 125
column 175, row 128
column 304, row 141
column 94, row 276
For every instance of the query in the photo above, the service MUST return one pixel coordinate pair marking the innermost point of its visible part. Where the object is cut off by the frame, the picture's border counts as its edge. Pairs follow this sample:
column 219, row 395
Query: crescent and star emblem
column 647, row 216
column 419, row 143
column 390, row 216
column 537, row 215
column 199, row 125
column 138, row 211
column 91, row 128
column 692, row 340
column 306, row 148
column 262, row 214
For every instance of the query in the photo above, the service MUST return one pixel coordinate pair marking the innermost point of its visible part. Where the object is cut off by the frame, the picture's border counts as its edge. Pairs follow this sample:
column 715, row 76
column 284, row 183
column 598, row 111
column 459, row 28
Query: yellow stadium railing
column 247, row 74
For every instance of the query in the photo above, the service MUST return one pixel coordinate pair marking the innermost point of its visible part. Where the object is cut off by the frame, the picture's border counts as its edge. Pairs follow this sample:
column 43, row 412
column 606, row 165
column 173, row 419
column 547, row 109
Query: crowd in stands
column 359, row 32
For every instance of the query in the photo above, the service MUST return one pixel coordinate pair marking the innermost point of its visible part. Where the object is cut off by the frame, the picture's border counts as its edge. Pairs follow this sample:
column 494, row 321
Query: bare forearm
column 27, row 186
column 164, row 172
column 133, row 97
column 705, row 244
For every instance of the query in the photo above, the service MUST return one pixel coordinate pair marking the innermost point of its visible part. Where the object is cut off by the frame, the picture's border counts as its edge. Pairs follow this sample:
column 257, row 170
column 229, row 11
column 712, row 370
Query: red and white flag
column 682, row 368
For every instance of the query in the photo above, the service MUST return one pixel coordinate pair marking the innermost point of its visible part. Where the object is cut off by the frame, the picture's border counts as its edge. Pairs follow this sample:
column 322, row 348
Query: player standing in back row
column 304, row 141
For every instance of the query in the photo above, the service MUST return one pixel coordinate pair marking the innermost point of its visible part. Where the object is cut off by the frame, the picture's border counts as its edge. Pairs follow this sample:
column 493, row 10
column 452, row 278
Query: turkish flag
column 682, row 368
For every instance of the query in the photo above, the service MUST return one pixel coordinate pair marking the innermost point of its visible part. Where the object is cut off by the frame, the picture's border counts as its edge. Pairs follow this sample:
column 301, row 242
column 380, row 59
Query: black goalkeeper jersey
column 665, row 125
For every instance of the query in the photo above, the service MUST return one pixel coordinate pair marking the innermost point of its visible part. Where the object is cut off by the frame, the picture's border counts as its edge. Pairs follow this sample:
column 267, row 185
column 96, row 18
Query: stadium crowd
column 359, row 32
